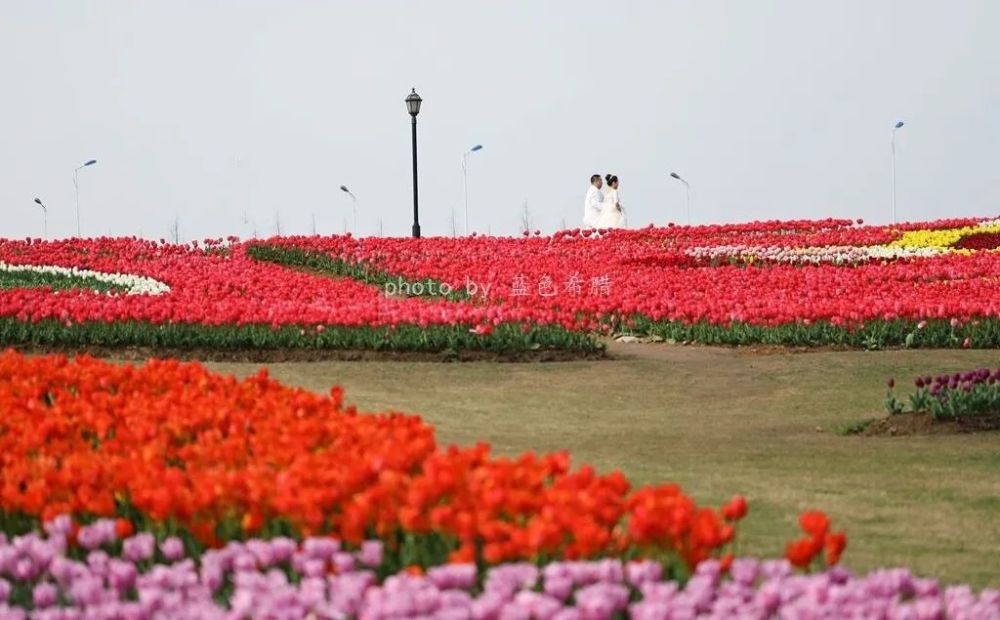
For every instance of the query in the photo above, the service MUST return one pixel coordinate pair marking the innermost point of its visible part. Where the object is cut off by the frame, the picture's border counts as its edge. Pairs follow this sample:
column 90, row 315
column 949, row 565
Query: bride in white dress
column 612, row 213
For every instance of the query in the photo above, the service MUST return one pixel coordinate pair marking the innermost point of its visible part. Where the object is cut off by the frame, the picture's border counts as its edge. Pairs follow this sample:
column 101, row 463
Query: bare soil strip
column 267, row 356
column 923, row 424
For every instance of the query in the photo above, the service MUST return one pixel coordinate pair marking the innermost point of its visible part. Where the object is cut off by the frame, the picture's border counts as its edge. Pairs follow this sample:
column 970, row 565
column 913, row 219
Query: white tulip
column 133, row 284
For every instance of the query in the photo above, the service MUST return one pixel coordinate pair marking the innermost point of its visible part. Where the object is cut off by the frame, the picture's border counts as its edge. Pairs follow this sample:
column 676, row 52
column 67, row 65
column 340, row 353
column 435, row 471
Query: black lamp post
column 413, row 107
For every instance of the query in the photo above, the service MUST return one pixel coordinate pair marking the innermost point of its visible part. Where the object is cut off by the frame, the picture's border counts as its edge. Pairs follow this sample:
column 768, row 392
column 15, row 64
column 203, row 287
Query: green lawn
column 725, row 421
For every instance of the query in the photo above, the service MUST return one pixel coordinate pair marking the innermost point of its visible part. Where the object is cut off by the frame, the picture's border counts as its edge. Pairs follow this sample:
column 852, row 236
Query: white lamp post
column 45, row 218
column 76, row 183
column 354, row 206
column 687, row 189
column 892, row 173
column 465, row 181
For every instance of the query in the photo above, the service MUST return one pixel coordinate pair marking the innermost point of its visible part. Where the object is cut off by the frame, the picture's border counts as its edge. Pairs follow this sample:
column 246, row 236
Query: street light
column 892, row 174
column 413, row 107
column 45, row 217
column 687, row 188
column 465, row 181
column 354, row 206
column 76, row 184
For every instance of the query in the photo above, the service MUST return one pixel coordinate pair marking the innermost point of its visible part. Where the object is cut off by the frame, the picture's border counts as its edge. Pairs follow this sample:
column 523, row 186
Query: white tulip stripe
column 838, row 255
column 844, row 254
column 132, row 284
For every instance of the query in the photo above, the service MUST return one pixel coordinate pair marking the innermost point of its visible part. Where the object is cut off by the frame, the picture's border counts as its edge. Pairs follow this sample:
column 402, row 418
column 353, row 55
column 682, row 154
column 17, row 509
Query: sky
column 243, row 116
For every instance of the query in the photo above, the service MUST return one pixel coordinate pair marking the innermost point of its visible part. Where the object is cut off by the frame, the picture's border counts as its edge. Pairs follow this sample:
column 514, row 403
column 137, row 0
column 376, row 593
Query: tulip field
column 170, row 490
column 802, row 283
column 166, row 490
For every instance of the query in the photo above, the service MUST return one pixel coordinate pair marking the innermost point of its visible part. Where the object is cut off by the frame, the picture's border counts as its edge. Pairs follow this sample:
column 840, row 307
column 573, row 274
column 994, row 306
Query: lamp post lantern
column 465, row 181
column 45, row 218
column 76, row 184
column 892, row 172
column 354, row 206
column 413, row 107
column 687, row 190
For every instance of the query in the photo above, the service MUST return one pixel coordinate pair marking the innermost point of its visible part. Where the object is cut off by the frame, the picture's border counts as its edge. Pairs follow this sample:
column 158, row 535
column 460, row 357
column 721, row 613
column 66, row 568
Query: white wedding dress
column 612, row 213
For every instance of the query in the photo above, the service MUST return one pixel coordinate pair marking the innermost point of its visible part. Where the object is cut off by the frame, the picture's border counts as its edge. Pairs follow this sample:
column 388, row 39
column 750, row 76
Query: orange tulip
column 736, row 509
column 801, row 553
column 123, row 528
column 815, row 523
column 835, row 544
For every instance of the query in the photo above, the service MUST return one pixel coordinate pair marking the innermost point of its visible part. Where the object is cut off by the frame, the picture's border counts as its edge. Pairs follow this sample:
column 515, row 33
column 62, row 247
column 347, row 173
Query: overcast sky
column 228, row 115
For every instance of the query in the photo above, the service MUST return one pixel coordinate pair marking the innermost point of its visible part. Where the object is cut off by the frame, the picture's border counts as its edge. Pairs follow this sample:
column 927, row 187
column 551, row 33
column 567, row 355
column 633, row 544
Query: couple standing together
column 602, row 209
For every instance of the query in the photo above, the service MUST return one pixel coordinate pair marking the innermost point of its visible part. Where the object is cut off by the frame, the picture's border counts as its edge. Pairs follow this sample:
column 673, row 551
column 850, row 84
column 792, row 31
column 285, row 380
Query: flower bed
column 657, row 281
column 169, row 491
column 219, row 297
column 318, row 578
column 828, row 282
column 951, row 396
column 177, row 449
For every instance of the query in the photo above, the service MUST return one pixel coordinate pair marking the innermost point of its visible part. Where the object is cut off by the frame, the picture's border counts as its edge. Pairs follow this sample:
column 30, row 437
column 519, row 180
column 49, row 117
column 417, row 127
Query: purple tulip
column 172, row 549
column 314, row 568
column 558, row 587
column 538, row 605
column 320, row 548
column 602, row 600
column 744, row 570
column 60, row 526
column 282, row 548
column 88, row 590
column 44, row 595
column 245, row 562
column 343, row 562
column 139, row 547
column 24, row 570
column 262, row 551
column 101, row 586
column 121, row 575
column 450, row 576
column 371, row 553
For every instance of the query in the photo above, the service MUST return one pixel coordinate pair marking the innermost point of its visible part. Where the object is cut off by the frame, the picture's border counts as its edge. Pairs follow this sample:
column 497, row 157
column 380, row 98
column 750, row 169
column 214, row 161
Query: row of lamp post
column 76, row 185
column 413, row 102
column 413, row 107
column 892, row 175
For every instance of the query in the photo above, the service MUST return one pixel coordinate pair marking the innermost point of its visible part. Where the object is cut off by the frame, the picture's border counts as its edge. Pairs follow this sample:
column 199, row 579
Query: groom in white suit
column 592, row 203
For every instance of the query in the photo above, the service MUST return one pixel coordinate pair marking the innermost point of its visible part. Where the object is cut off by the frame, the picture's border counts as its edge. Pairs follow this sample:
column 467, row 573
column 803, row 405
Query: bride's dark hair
column 610, row 178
